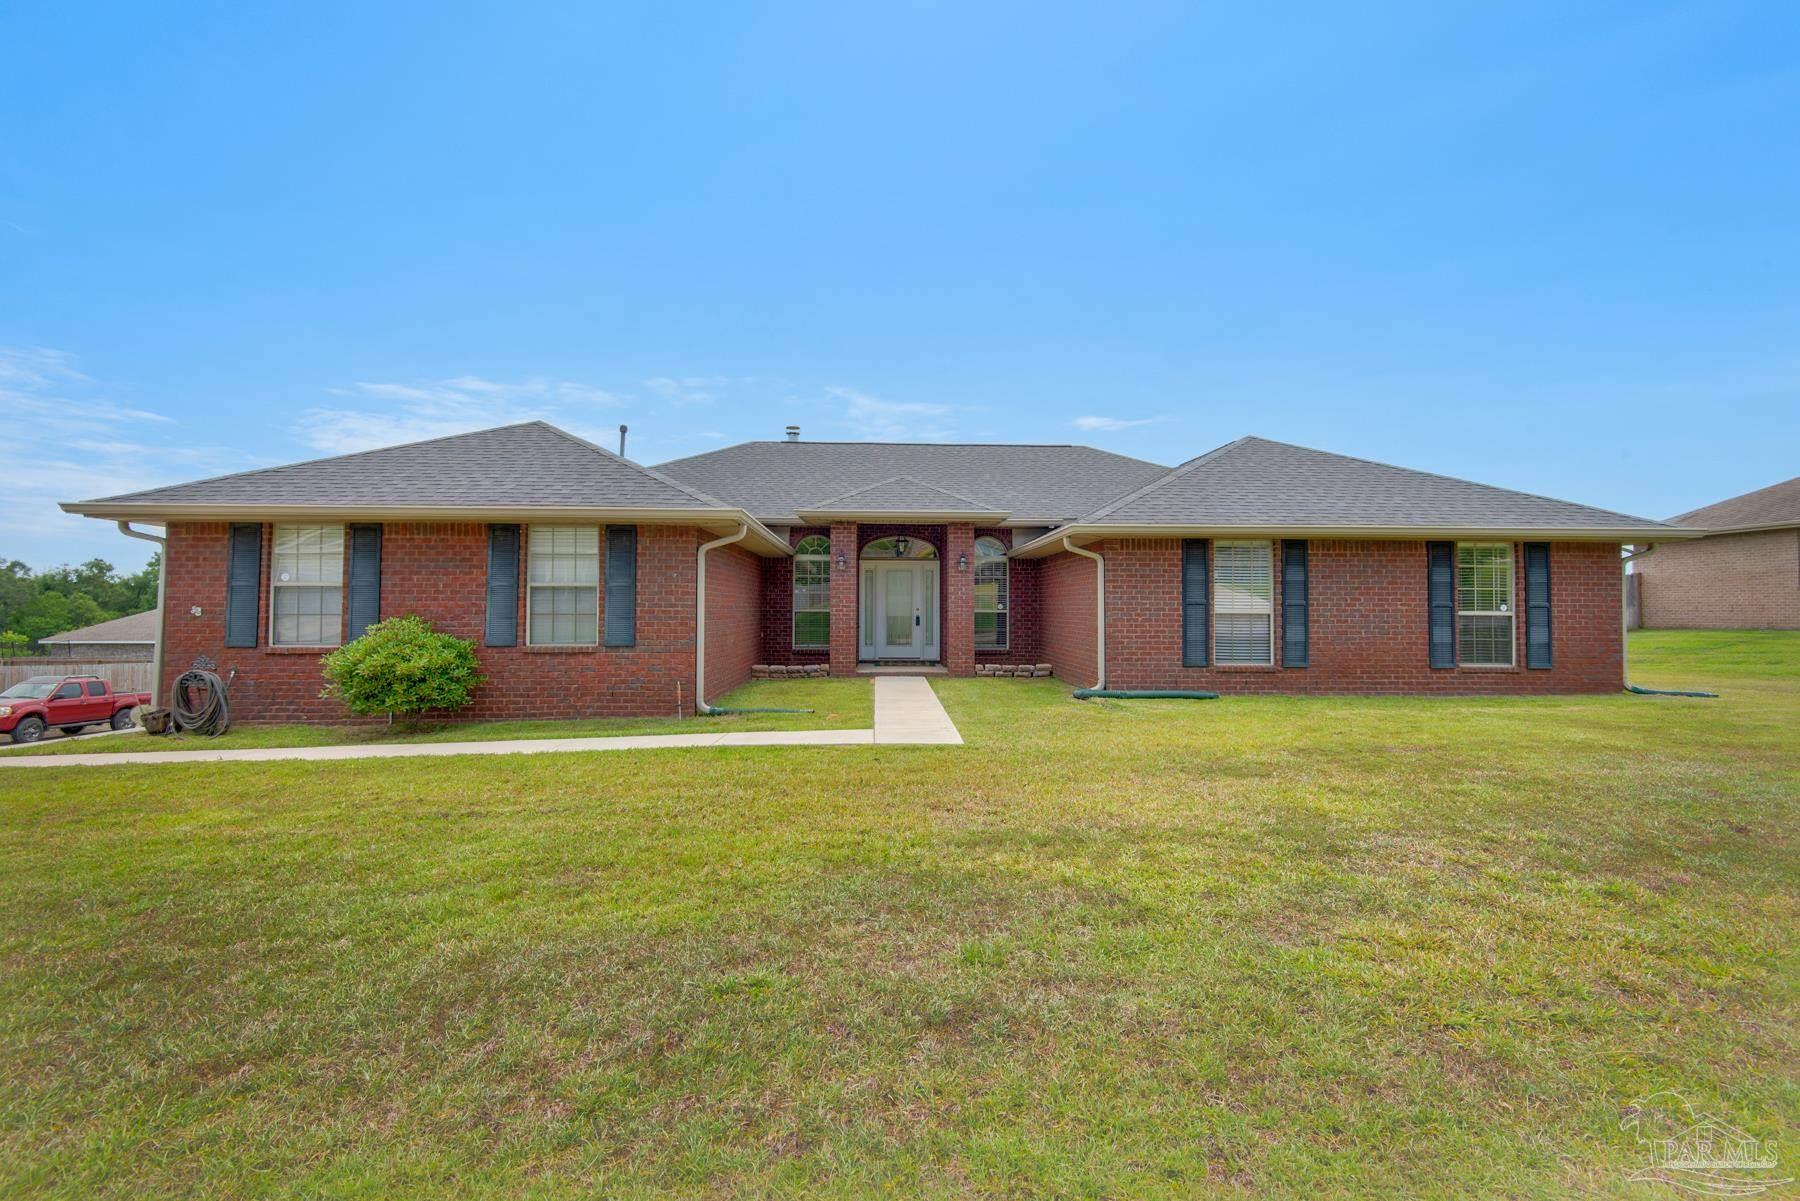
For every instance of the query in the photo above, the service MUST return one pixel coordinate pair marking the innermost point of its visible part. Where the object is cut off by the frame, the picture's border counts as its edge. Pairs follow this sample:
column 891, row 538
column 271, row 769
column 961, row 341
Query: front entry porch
column 899, row 602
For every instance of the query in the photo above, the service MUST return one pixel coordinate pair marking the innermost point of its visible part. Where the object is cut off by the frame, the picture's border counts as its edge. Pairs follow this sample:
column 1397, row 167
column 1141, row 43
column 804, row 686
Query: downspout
column 162, row 579
column 1099, row 608
column 700, row 705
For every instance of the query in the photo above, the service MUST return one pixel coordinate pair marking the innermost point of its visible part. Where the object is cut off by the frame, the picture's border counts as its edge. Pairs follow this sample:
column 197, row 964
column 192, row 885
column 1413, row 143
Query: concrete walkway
column 907, row 712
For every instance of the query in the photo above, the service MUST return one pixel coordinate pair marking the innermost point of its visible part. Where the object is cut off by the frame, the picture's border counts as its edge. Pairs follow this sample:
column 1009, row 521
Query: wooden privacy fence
column 124, row 677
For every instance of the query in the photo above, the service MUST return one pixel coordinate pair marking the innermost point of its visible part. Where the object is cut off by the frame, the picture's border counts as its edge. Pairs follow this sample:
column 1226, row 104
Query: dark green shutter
column 1196, row 604
column 243, row 584
column 1441, row 583
column 621, row 585
column 503, row 586
column 1537, row 604
column 365, row 578
column 1294, row 645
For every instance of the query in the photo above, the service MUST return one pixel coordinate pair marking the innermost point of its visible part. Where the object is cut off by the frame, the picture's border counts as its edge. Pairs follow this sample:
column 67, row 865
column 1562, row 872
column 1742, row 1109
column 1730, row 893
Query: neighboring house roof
column 527, row 470
column 901, row 496
column 1773, row 507
column 1255, row 485
column 135, row 627
column 1037, row 485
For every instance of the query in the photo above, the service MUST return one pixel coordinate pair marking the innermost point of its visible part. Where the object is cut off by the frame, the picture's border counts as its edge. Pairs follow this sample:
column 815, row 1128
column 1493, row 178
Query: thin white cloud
column 412, row 412
column 875, row 419
column 1093, row 424
column 687, row 390
column 70, row 442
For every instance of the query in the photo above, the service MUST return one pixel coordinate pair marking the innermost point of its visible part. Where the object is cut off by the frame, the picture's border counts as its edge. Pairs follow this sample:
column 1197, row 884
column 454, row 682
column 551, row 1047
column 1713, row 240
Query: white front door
column 902, row 611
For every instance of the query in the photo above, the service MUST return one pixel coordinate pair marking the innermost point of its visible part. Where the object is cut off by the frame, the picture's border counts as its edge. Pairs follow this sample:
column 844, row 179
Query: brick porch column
column 959, row 599
column 843, row 597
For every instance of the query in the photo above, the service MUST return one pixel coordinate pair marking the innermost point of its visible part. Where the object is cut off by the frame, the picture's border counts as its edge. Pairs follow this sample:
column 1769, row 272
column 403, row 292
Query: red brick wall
column 956, row 639
column 733, row 626
column 844, row 546
column 1367, row 622
column 1727, row 582
column 1067, row 594
column 438, row 570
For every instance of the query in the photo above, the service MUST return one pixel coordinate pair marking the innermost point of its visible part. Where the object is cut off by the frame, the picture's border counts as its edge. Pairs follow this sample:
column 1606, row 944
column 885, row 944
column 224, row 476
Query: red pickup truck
column 33, row 705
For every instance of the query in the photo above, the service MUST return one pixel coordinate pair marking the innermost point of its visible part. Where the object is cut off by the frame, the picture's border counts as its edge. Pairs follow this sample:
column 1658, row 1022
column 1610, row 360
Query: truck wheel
column 29, row 729
column 122, row 720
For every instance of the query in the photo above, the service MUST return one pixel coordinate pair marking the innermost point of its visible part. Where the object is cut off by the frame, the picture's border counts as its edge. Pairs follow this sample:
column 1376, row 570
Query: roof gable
column 901, row 494
column 1254, row 482
column 1776, row 505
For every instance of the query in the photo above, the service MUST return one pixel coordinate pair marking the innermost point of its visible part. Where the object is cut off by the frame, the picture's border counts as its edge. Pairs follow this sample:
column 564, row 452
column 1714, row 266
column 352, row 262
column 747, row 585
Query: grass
column 1254, row 947
column 842, row 704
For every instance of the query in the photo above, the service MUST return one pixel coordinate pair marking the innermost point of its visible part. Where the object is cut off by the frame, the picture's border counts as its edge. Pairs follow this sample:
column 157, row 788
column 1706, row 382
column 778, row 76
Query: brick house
column 1743, row 575
column 583, row 577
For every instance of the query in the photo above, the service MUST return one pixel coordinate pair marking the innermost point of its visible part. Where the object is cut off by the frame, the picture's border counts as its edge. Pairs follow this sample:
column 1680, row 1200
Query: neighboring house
column 1744, row 575
column 583, row 577
column 121, row 640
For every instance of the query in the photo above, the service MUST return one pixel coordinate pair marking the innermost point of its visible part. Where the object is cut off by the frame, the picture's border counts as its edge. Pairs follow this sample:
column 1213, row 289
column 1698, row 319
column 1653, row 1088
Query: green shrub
column 402, row 665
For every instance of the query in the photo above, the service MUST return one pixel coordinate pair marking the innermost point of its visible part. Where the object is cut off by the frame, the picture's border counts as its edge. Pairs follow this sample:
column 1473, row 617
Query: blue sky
column 1546, row 248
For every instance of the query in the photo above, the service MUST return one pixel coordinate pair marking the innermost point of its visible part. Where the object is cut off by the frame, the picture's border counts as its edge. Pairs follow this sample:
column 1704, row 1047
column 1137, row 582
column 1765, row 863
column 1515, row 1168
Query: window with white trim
column 1484, row 604
column 562, row 586
column 1243, row 603
column 992, row 621
column 306, row 586
column 812, row 593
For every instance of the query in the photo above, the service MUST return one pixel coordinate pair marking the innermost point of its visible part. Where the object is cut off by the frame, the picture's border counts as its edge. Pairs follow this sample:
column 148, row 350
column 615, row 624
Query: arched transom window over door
column 993, row 620
column 900, row 547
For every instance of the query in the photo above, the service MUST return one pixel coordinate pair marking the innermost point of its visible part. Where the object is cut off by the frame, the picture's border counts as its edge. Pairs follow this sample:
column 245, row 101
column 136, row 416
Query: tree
column 39, row 604
column 402, row 665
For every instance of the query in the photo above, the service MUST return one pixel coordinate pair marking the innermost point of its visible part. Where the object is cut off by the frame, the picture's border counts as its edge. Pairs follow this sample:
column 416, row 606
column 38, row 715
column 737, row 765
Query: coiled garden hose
column 197, row 703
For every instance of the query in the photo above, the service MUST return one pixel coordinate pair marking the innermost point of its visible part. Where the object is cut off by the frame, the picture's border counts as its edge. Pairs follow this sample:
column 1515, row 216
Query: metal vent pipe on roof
column 622, row 430
column 793, row 433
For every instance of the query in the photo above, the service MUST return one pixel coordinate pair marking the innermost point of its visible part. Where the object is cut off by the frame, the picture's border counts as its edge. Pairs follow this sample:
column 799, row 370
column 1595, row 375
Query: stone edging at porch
column 789, row 671
column 1016, row 670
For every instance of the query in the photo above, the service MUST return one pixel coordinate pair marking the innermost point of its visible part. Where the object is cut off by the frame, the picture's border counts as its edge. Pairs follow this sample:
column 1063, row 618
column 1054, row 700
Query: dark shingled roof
column 529, row 465
column 1778, row 504
column 1256, row 482
column 134, row 627
column 775, row 480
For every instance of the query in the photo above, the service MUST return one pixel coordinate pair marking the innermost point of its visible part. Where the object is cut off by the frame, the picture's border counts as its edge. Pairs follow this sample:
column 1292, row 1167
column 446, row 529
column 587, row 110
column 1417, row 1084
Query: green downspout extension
column 1664, row 692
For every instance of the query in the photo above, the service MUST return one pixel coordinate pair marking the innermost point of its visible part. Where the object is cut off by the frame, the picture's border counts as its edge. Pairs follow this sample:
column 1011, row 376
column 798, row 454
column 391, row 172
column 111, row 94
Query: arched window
column 900, row 547
column 991, row 624
column 812, row 593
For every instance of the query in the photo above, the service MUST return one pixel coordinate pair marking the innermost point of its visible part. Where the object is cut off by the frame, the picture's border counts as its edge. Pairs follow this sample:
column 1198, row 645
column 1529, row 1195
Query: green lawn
column 1251, row 947
column 835, row 704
